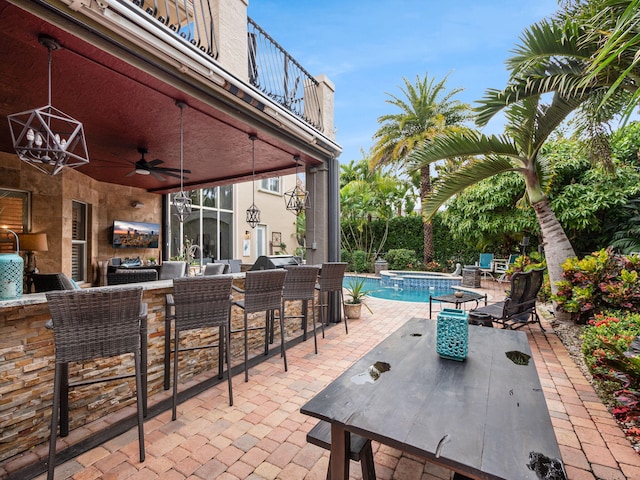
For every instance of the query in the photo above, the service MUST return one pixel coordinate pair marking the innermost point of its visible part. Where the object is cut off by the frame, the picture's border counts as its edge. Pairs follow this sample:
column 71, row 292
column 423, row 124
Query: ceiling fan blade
column 155, row 162
column 132, row 172
column 157, row 175
column 175, row 175
column 167, row 169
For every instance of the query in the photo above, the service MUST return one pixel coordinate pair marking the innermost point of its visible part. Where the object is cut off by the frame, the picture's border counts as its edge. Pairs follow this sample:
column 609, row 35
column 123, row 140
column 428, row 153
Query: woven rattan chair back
column 330, row 281
column 202, row 302
column 262, row 293
column 300, row 282
column 300, row 285
column 90, row 324
column 331, row 276
column 263, row 290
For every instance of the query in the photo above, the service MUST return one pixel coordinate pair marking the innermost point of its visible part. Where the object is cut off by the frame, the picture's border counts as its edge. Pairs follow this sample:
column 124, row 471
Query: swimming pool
column 394, row 292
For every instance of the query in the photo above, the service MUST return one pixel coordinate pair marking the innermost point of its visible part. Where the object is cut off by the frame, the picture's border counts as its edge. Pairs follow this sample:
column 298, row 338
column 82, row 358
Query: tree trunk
column 425, row 189
column 557, row 247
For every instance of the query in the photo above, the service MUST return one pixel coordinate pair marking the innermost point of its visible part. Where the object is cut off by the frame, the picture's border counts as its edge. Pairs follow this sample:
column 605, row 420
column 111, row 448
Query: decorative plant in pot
column 356, row 293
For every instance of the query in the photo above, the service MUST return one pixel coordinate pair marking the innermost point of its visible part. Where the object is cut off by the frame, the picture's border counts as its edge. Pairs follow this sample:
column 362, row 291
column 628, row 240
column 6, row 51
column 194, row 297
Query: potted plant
column 356, row 293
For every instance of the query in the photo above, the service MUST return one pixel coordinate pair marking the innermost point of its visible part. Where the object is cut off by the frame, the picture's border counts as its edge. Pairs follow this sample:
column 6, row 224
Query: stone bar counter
column 27, row 366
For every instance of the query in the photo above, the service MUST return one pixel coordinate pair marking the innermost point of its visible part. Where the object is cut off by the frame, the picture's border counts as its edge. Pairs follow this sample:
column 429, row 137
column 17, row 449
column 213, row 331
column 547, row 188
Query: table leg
column 340, row 442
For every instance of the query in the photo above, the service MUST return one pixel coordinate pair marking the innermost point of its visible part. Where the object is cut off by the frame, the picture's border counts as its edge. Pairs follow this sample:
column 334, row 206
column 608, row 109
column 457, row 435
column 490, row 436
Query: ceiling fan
column 142, row 167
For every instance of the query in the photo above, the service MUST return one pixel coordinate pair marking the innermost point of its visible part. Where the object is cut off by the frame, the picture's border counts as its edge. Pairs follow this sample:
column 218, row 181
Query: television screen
column 135, row 234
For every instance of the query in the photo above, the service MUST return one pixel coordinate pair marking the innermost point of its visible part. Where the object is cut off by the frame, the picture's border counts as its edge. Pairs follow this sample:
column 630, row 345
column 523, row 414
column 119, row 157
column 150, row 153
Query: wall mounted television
column 135, row 234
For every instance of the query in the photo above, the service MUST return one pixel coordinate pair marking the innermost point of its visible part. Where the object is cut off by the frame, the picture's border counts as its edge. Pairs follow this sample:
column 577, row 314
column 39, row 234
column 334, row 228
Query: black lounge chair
column 518, row 309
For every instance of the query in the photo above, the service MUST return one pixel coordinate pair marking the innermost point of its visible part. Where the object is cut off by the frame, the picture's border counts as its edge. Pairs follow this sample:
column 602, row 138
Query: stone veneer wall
column 51, row 200
column 27, row 367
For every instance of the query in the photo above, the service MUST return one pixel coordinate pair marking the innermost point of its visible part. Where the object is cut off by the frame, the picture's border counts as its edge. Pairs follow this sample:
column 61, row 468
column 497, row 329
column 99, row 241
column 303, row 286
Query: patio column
column 316, row 215
column 323, row 220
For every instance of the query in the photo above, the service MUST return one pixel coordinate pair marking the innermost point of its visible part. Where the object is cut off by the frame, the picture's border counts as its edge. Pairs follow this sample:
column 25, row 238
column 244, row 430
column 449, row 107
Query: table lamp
column 31, row 243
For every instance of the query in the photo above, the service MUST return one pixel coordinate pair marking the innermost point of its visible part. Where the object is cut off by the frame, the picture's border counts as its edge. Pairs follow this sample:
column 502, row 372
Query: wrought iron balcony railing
column 191, row 21
column 277, row 74
column 271, row 69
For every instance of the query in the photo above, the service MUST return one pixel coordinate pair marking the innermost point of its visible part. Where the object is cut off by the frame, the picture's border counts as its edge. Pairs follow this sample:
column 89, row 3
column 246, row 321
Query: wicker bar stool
column 330, row 281
column 299, row 285
column 91, row 324
column 202, row 302
column 262, row 293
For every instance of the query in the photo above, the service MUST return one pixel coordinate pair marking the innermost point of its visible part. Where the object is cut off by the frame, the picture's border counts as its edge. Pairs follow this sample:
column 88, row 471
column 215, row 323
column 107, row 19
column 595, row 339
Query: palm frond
column 455, row 182
column 467, row 143
column 544, row 42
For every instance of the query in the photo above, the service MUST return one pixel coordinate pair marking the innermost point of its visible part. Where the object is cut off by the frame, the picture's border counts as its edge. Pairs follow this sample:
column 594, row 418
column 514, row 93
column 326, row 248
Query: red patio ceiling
column 124, row 107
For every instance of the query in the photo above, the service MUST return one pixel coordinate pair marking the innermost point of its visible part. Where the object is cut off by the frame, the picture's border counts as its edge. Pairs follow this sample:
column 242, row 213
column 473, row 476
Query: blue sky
column 367, row 47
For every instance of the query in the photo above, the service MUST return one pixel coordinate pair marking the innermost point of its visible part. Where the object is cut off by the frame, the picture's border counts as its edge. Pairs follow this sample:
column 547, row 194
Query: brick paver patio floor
column 263, row 435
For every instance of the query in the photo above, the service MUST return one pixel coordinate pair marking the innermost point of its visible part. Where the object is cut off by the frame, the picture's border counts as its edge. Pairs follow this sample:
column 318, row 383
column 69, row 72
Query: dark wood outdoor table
column 482, row 417
column 451, row 298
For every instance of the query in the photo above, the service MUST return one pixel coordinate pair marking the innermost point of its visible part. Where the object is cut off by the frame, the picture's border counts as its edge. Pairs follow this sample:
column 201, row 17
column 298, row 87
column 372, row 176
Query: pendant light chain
column 181, row 201
column 253, row 212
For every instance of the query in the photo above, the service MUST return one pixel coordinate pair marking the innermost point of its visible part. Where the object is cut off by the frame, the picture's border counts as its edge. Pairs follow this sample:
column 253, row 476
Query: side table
column 452, row 298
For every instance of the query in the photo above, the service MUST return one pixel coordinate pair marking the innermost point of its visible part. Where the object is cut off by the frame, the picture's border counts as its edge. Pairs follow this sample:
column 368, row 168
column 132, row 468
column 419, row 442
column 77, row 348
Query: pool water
column 403, row 295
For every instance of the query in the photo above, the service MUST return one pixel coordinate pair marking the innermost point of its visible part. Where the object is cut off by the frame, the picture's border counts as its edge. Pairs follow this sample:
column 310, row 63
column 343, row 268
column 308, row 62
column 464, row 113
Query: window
column 261, row 240
column 79, row 241
column 14, row 215
column 270, row 184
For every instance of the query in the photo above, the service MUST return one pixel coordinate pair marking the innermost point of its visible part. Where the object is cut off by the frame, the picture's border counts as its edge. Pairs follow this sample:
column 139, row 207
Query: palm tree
column 427, row 110
column 587, row 57
column 365, row 195
column 355, row 171
column 558, row 55
column 529, row 124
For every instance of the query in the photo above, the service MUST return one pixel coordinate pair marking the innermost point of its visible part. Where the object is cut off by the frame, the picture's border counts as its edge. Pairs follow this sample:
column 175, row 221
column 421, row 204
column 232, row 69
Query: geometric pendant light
column 45, row 137
column 297, row 199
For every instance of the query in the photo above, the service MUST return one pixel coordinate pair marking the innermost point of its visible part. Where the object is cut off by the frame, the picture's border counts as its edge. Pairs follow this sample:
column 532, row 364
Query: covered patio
column 263, row 436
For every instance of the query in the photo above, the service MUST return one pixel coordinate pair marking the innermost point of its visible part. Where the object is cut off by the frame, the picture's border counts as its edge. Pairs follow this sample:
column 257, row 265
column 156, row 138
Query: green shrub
column 598, row 282
column 359, row 262
column 605, row 342
column 347, row 257
column 356, row 261
column 401, row 259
